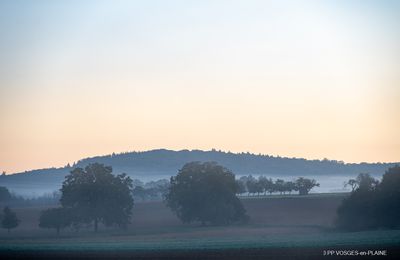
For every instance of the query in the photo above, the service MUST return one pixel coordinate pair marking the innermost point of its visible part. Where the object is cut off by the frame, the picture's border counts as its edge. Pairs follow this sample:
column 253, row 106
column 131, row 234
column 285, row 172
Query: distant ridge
column 163, row 163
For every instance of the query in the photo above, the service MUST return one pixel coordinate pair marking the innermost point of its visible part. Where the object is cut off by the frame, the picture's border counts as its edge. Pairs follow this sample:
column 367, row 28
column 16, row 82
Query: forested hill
column 167, row 162
column 164, row 163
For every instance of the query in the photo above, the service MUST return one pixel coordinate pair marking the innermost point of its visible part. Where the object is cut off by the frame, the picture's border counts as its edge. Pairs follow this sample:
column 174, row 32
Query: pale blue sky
column 309, row 79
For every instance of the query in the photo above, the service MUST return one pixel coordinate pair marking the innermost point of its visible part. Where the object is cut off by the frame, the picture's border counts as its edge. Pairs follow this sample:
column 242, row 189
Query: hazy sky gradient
column 313, row 79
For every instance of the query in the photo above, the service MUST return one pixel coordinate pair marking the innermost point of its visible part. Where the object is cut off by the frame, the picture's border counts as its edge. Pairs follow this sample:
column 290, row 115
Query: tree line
column 204, row 192
column 249, row 185
column 150, row 191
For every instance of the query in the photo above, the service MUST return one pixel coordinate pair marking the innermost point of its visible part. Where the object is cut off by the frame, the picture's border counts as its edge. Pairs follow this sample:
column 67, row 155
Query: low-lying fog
column 328, row 184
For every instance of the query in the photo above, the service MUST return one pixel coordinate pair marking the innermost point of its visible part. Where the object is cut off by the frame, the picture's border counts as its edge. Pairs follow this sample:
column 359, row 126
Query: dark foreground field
column 280, row 228
column 342, row 252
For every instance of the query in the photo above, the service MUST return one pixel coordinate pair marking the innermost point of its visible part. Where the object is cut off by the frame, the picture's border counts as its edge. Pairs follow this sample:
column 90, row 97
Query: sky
column 310, row 79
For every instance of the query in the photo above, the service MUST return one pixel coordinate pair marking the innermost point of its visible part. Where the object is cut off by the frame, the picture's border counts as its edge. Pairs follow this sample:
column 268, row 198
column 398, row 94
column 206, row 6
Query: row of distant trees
column 11, row 198
column 262, row 185
column 150, row 191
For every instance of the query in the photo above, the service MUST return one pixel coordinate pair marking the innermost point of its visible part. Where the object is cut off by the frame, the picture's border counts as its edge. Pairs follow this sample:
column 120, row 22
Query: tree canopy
column 388, row 199
column 96, row 195
column 262, row 185
column 372, row 204
column 4, row 194
column 205, row 192
column 9, row 220
column 304, row 185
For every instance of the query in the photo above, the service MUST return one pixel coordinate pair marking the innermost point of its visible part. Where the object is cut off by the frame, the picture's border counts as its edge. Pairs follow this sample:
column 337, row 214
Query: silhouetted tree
column 366, row 181
column 96, row 195
column 57, row 218
column 251, row 184
column 304, row 185
column 205, row 192
column 388, row 199
column 270, row 186
column 290, row 186
column 263, row 183
column 9, row 220
column 241, row 187
column 258, row 187
column 372, row 204
column 4, row 194
column 356, row 211
column 279, row 185
column 363, row 181
column 352, row 183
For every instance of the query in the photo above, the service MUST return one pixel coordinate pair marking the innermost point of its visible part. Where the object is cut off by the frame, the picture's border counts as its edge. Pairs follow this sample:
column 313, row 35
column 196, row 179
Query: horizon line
column 211, row 150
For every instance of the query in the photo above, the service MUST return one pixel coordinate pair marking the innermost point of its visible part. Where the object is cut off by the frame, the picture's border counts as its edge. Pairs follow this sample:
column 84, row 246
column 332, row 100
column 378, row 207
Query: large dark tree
column 372, row 204
column 366, row 182
column 9, row 220
column 205, row 192
column 388, row 199
column 96, row 195
column 363, row 181
column 57, row 218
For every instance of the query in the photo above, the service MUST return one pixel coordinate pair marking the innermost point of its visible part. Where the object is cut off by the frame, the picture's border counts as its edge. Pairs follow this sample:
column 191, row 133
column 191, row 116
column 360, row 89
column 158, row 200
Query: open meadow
column 283, row 226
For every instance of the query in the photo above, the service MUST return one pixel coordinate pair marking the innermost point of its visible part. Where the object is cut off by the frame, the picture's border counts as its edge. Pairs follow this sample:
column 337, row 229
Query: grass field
column 276, row 222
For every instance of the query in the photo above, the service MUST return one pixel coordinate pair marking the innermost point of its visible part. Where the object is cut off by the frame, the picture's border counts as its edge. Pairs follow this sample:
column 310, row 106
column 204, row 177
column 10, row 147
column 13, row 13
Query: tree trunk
column 8, row 230
column 58, row 231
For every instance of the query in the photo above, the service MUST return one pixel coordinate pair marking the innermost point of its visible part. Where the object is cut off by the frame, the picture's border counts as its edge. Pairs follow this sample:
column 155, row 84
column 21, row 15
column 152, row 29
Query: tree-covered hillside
column 165, row 163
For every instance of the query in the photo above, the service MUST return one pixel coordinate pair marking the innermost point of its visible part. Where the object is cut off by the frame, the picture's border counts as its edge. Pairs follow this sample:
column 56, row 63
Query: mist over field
column 328, row 184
